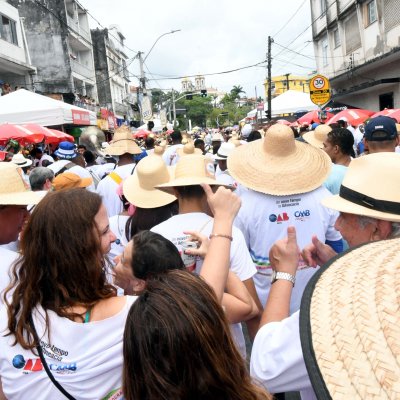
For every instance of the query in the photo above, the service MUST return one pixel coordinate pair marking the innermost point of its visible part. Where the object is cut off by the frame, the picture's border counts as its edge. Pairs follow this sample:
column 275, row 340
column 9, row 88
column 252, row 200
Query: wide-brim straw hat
column 278, row 164
column 193, row 170
column 12, row 187
column 139, row 188
column 350, row 324
column 188, row 150
column 371, row 187
column 122, row 143
column 318, row 136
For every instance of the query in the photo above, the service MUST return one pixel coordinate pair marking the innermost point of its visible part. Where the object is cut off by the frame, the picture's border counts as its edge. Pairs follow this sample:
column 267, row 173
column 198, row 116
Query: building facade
column 357, row 46
column 16, row 69
column 60, row 46
column 111, row 71
column 282, row 83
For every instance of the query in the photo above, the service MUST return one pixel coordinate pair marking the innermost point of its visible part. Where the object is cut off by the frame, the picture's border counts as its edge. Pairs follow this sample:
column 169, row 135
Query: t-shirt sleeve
column 277, row 359
column 241, row 263
column 332, row 234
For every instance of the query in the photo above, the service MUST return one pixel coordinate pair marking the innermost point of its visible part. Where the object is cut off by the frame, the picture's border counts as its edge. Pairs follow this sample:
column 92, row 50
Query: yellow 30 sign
column 319, row 90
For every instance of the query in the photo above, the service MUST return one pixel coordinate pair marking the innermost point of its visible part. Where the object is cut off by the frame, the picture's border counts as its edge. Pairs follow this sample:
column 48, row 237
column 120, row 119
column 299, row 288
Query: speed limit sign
column 319, row 89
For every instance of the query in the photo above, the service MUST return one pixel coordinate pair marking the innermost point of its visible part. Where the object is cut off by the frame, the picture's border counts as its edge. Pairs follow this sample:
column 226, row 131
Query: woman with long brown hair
column 177, row 341
column 63, row 323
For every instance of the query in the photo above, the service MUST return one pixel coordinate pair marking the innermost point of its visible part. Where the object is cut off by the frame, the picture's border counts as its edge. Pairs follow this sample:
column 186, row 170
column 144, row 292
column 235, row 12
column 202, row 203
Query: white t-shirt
column 170, row 155
column 277, row 359
column 226, row 179
column 264, row 219
column 107, row 189
column 7, row 258
column 86, row 359
column 240, row 261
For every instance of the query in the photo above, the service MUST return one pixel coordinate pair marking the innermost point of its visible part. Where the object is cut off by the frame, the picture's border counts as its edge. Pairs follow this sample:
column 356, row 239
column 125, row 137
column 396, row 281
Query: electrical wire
column 287, row 22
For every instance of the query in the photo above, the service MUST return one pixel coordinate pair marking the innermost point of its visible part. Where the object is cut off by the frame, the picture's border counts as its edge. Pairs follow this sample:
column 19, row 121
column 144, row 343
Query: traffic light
column 204, row 93
column 189, row 96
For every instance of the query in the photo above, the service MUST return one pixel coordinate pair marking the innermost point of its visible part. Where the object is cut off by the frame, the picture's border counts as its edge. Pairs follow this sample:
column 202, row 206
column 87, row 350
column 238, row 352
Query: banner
column 80, row 117
column 147, row 112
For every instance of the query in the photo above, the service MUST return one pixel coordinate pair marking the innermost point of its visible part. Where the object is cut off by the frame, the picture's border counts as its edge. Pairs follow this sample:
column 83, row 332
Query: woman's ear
column 138, row 286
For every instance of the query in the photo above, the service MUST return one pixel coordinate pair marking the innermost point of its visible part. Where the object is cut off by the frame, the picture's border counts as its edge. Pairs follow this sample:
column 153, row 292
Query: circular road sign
column 319, row 89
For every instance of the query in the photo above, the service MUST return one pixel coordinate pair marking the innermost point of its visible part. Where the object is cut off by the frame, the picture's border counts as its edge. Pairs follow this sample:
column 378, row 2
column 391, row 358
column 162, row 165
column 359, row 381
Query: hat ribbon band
column 369, row 202
column 120, row 140
column 221, row 155
column 20, row 163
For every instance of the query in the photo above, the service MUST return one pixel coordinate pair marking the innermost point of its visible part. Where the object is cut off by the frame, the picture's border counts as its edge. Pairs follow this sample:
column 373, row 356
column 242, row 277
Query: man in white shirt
column 124, row 147
column 14, row 199
column 170, row 155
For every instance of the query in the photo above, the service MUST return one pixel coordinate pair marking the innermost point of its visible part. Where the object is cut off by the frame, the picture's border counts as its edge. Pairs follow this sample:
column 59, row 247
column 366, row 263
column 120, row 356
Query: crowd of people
column 208, row 265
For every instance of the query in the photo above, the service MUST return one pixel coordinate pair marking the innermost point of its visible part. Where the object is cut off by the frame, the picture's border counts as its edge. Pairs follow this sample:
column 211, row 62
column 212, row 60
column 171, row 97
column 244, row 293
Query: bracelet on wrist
column 216, row 235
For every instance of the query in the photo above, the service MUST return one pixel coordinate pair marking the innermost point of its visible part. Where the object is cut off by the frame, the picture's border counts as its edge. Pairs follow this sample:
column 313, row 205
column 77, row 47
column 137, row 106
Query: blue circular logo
column 18, row 361
column 273, row 218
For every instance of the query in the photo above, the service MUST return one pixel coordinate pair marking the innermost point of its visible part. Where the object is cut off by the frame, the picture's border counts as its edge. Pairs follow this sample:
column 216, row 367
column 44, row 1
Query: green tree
column 236, row 91
column 197, row 110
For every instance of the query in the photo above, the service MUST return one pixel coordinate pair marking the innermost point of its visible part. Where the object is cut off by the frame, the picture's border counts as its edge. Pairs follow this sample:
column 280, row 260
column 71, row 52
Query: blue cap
column 66, row 151
column 380, row 128
column 314, row 125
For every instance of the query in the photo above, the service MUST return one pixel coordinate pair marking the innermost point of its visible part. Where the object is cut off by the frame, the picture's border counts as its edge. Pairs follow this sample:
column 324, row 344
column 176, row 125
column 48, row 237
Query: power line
column 212, row 73
column 305, row 55
column 287, row 22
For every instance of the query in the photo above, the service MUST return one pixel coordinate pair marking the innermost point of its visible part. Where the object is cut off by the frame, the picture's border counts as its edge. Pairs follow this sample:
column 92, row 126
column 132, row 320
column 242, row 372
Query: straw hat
column 21, row 161
column 12, row 187
column 139, row 187
column 349, row 324
column 278, row 164
column 122, row 143
column 318, row 136
column 217, row 137
column 192, row 170
column 69, row 180
column 187, row 150
column 371, row 187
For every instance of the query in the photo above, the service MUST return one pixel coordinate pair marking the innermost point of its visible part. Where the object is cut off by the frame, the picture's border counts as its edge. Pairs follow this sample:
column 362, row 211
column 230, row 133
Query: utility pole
column 270, row 41
column 142, row 76
column 287, row 81
column 173, row 107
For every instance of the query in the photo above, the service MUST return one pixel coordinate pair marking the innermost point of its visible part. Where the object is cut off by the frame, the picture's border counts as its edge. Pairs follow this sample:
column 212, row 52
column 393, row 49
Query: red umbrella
column 354, row 116
column 283, row 122
column 60, row 137
column 19, row 133
column 50, row 135
column 388, row 112
column 312, row 116
column 141, row 134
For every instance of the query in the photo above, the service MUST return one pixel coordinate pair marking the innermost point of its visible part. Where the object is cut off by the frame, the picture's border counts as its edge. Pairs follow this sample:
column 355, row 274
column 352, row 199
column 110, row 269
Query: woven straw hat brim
column 310, row 138
column 338, row 203
column 20, row 198
column 350, row 324
column 190, row 181
column 302, row 171
column 181, row 152
column 121, row 147
column 146, row 198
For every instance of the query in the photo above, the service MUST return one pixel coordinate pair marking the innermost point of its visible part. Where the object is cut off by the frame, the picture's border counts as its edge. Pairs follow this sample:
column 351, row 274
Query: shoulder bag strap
column 44, row 363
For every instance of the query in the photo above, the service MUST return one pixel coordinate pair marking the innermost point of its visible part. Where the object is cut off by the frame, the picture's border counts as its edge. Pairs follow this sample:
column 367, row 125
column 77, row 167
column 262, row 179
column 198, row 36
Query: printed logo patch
column 279, row 218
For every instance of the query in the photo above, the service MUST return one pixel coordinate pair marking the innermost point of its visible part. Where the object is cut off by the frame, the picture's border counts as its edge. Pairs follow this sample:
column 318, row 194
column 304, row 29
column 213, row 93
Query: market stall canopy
column 25, row 107
column 287, row 103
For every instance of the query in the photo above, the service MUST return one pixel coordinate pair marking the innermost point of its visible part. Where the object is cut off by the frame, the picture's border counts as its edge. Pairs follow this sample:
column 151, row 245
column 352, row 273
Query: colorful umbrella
column 388, row 112
column 141, row 134
column 19, row 133
column 312, row 116
column 354, row 116
column 283, row 122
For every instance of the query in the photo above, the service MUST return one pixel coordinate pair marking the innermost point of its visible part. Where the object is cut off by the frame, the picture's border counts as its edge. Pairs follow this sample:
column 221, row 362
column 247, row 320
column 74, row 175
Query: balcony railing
column 83, row 70
column 74, row 24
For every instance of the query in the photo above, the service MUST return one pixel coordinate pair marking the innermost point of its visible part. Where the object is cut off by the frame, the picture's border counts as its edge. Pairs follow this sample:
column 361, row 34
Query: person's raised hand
column 317, row 253
column 203, row 243
column 223, row 203
column 284, row 254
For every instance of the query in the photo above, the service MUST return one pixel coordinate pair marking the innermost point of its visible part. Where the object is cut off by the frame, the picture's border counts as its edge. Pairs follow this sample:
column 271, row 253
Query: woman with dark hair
column 184, row 349
column 63, row 323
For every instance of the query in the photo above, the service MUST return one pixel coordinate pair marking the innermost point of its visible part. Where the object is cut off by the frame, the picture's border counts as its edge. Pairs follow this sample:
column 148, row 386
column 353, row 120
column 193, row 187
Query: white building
column 15, row 62
column 357, row 46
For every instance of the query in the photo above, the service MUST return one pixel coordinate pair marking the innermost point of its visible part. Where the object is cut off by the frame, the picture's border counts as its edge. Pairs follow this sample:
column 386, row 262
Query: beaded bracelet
column 220, row 235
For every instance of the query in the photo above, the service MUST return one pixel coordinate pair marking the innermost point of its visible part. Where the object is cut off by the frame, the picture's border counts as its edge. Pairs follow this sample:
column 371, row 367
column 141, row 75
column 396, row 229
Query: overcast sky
column 216, row 36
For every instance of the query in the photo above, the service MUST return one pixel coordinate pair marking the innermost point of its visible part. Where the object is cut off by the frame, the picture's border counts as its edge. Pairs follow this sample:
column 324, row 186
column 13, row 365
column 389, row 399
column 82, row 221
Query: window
column 324, row 46
column 336, row 38
column 8, row 31
column 323, row 7
column 371, row 12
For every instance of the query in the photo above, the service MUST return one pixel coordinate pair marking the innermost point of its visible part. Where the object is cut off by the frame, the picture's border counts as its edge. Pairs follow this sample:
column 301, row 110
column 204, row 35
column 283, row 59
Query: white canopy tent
column 25, row 107
column 288, row 102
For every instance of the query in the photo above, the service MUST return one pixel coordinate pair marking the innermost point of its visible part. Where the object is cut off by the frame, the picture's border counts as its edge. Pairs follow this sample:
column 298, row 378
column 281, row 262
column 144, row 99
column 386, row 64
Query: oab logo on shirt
column 279, row 218
column 35, row 365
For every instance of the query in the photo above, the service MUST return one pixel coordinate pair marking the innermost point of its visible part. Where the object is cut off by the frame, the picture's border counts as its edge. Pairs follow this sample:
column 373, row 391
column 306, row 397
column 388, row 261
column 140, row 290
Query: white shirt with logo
column 86, row 359
column 240, row 261
column 264, row 219
column 170, row 155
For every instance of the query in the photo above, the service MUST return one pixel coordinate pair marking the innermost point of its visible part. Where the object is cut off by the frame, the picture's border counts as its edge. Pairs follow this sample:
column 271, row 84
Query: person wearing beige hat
column 14, row 199
column 195, row 215
column 285, row 179
column 123, row 146
column 369, row 206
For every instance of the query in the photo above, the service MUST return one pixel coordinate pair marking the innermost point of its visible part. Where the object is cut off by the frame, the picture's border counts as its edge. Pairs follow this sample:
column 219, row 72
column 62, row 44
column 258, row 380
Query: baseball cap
column 380, row 128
